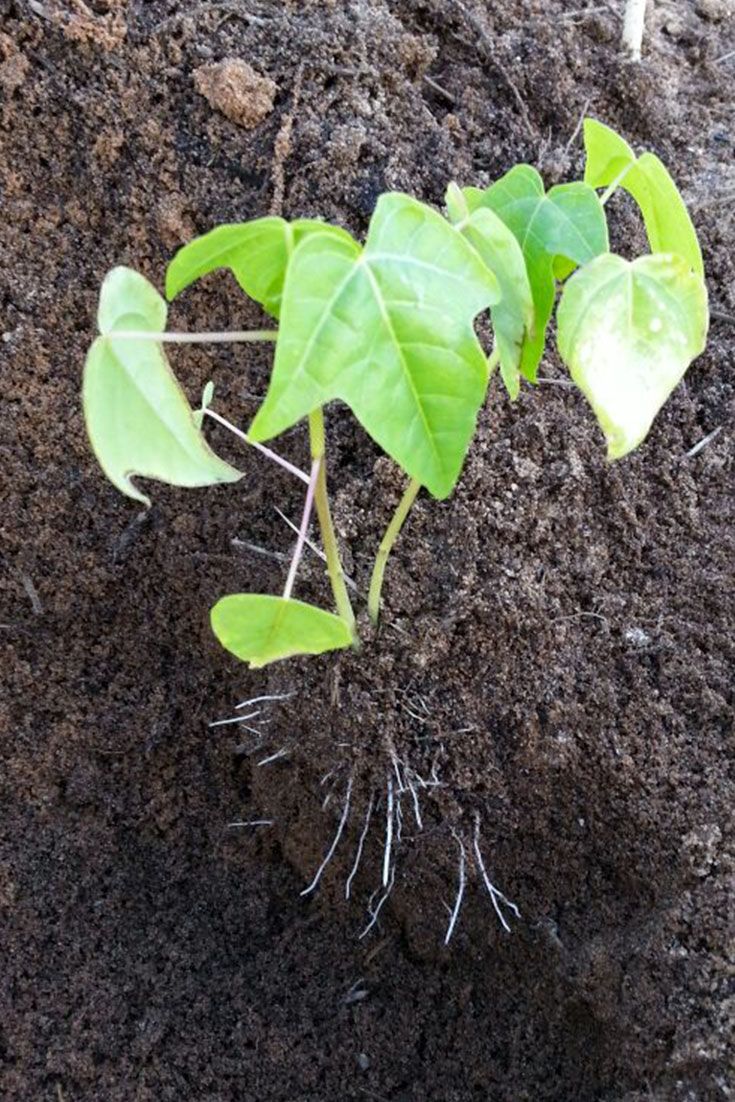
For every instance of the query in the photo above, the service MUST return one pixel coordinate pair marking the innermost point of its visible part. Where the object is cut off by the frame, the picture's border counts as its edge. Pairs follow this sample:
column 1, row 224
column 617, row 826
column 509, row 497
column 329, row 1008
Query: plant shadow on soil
column 556, row 641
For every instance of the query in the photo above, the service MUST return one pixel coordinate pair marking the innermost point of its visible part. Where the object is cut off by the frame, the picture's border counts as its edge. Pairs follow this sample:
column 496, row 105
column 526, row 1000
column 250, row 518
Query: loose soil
column 557, row 643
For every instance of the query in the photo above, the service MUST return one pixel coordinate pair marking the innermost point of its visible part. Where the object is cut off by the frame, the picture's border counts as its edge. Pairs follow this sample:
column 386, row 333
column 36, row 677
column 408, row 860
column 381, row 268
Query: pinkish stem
column 303, row 529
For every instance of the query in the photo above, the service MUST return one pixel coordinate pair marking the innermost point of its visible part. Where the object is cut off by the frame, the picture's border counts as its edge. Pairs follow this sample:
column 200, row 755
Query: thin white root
column 433, row 781
column 397, row 771
column 374, row 914
column 388, row 832
column 495, row 894
column 454, row 913
column 416, row 805
column 360, row 845
column 399, row 819
column 356, row 993
column 282, row 753
column 335, row 841
column 253, row 823
column 260, row 699
column 633, row 27
column 252, row 731
column 235, row 719
column 704, row 442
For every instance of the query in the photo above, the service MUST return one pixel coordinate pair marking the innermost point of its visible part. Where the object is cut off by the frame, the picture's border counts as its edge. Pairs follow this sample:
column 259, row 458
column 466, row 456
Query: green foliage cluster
column 387, row 327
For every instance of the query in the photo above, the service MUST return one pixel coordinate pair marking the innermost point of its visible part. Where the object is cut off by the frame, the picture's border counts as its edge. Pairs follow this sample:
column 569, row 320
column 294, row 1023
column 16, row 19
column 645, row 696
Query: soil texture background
column 557, row 644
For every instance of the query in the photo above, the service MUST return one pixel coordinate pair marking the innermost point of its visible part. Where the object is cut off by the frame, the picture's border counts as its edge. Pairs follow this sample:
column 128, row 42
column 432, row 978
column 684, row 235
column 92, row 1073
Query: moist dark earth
column 557, row 639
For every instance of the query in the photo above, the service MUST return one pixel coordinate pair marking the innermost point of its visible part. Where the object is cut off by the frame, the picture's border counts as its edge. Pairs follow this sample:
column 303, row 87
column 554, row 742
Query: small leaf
column 628, row 331
column 207, row 396
column 513, row 316
column 259, row 628
column 647, row 180
column 257, row 253
column 388, row 330
column 456, row 204
column 567, row 222
column 137, row 416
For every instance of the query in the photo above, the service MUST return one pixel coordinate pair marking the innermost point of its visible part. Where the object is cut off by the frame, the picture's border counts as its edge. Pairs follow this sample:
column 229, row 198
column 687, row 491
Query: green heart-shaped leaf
column 259, row 628
column 647, row 180
column 568, row 222
column 388, row 330
column 257, row 253
column 628, row 331
column 137, row 416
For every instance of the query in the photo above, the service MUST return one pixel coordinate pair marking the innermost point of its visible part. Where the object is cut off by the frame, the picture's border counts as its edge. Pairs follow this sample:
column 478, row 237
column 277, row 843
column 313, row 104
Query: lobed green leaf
column 647, row 180
column 260, row 629
column 628, row 331
column 388, row 330
column 257, row 253
column 556, row 231
column 138, row 419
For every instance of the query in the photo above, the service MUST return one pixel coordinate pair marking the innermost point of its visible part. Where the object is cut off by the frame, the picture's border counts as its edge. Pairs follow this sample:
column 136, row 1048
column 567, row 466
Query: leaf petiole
column 493, row 359
column 303, row 529
column 294, row 470
column 610, row 191
column 329, row 538
column 391, row 535
column 237, row 336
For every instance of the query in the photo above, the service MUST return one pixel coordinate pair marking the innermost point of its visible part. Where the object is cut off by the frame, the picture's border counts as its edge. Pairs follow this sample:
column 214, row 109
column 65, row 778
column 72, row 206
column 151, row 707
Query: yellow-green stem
column 329, row 538
column 386, row 545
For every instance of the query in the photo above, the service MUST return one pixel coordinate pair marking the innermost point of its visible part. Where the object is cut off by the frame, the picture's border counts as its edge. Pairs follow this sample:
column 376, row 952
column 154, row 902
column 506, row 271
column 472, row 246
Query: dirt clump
column 234, row 88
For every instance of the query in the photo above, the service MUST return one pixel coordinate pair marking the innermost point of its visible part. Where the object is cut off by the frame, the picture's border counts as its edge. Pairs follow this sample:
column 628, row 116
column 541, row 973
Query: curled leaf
column 138, row 419
column 259, row 629
column 668, row 225
column 257, row 253
column 628, row 331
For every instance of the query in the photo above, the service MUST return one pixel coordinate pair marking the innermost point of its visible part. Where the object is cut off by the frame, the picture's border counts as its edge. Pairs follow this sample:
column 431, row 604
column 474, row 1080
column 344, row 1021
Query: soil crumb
column 235, row 89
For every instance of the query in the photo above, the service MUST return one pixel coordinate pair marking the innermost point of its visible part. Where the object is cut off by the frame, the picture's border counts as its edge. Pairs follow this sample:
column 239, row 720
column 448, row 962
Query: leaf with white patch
column 627, row 332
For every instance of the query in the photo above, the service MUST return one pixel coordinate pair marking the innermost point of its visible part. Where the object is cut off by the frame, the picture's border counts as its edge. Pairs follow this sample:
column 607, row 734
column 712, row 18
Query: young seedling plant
column 387, row 327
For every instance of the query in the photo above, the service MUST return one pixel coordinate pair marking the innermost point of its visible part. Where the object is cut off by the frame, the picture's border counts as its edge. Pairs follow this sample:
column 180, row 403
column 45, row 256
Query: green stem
column 610, row 191
column 386, row 546
column 238, row 336
column 329, row 538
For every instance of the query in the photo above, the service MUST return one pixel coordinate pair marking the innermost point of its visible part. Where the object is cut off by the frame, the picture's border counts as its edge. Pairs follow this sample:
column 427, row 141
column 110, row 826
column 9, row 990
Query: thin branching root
column 498, row 899
column 335, row 841
column 391, row 813
column 454, row 911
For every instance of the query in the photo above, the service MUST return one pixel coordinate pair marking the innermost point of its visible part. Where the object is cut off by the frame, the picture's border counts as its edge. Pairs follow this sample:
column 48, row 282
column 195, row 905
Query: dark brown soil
column 557, row 642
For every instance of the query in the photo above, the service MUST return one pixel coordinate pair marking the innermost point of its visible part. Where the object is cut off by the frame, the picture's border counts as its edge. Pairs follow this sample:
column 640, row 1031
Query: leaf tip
column 126, row 486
